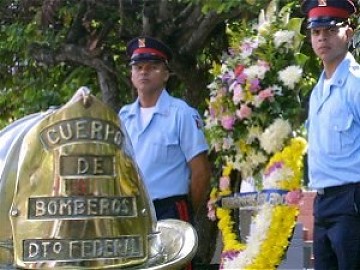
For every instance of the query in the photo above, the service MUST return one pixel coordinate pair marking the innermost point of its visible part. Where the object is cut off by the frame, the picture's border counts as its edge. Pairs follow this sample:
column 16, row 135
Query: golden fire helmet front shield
column 73, row 198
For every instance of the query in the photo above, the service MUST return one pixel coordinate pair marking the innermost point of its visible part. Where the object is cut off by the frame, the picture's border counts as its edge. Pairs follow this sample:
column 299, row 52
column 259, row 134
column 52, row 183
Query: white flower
column 256, row 158
column 264, row 28
column 290, row 76
column 256, row 71
column 237, row 160
column 210, row 122
column 277, row 90
column 228, row 143
column 212, row 85
column 285, row 37
column 224, row 68
column 245, row 169
column 254, row 132
column 212, row 99
column 273, row 137
column 274, row 178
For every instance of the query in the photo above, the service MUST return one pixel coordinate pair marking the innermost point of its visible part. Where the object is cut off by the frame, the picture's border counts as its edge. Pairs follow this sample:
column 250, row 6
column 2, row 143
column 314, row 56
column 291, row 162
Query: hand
column 82, row 93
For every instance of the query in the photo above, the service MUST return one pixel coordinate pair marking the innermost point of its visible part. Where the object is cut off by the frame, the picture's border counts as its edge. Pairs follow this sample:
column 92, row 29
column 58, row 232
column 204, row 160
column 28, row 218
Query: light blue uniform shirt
column 334, row 128
column 163, row 147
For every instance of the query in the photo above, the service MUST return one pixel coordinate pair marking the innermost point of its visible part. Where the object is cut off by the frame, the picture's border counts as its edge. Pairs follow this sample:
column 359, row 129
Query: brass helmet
column 72, row 196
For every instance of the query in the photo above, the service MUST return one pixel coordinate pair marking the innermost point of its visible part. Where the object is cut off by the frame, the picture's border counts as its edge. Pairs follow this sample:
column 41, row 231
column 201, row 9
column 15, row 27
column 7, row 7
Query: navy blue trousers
column 337, row 228
column 176, row 207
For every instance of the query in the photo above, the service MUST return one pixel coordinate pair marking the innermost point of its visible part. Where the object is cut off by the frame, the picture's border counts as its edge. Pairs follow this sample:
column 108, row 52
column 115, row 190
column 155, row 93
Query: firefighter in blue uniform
column 166, row 134
column 333, row 134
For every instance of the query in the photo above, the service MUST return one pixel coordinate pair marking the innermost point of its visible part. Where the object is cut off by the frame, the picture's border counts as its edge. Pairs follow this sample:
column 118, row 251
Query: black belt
column 169, row 200
column 336, row 189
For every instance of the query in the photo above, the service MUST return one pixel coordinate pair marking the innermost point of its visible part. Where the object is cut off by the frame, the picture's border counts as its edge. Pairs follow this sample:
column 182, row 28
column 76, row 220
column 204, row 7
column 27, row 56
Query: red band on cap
column 149, row 50
column 328, row 12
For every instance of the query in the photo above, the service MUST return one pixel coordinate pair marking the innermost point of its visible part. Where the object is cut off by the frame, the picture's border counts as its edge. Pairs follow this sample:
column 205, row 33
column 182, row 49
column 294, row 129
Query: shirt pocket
column 166, row 150
column 343, row 133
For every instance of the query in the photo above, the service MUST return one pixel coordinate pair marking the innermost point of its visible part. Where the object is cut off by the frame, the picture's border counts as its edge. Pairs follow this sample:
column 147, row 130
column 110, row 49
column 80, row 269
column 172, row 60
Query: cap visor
column 324, row 23
column 146, row 58
column 133, row 62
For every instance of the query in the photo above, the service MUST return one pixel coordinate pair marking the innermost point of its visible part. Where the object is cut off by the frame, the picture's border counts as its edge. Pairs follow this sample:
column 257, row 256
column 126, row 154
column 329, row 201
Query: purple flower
column 254, row 85
column 241, row 78
column 212, row 112
column 247, row 48
column 274, row 167
column 230, row 255
column 226, row 77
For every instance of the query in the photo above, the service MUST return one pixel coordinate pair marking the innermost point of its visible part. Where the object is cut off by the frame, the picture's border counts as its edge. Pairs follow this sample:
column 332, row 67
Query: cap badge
column 322, row 3
column 141, row 43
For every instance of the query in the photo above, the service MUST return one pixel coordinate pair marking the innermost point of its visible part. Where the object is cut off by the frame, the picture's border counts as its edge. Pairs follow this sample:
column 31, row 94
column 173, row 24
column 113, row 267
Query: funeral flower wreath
column 252, row 124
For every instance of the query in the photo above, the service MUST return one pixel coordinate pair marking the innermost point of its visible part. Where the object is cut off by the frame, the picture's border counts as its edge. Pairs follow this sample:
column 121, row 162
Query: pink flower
column 265, row 94
column 244, row 112
column 210, row 204
column 294, row 197
column 238, row 94
column 264, row 64
column 211, row 210
column 211, row 215
column 224, row 183
column 228, row 122
column 238, row 70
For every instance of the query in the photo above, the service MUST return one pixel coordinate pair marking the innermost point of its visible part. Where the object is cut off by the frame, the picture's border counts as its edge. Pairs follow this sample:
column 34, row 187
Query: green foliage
column 26, row 85
column 226, row 5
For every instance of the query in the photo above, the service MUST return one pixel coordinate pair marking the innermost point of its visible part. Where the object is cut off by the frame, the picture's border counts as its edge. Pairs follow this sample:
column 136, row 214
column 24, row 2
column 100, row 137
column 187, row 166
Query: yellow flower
column 244, row 147
column 216, row 69
column 227, row 169
column 248, row 95
column 213, row 193
column 283, row 217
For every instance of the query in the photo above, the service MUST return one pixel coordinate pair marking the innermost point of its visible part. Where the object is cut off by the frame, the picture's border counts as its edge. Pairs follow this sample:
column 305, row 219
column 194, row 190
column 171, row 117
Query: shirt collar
column 342, row 70
column 161, row 106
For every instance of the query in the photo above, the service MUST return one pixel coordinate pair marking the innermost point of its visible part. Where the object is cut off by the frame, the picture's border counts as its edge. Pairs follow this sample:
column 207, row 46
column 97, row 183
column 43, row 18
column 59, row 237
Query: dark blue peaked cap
column 145, row 48
column 323, row 13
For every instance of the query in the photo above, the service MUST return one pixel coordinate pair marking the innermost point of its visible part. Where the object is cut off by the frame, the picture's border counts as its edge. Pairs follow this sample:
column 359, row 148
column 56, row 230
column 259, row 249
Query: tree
column 50, row 48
